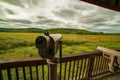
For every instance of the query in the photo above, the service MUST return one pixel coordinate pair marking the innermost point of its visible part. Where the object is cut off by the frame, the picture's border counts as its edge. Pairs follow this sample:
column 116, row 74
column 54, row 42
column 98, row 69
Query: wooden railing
column 70, row 67
column 83, row 66
column 23, row 69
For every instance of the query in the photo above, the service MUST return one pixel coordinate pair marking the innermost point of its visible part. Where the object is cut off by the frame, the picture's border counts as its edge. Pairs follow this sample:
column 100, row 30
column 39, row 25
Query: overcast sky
column 57, row 14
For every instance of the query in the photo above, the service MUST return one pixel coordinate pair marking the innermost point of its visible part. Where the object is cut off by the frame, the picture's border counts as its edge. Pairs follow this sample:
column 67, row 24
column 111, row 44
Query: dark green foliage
column 37, row 30
column 55, row 30
column 27, row 30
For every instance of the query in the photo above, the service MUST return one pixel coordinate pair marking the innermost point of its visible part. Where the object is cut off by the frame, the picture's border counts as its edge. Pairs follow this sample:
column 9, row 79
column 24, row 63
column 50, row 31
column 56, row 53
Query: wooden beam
column 109, row 4
column 109, row 51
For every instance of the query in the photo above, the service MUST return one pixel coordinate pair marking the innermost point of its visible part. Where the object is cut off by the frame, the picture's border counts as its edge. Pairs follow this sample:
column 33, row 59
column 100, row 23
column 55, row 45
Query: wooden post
column 1, row 77
column 60, row 57
column 90, row 67
column 60, row 51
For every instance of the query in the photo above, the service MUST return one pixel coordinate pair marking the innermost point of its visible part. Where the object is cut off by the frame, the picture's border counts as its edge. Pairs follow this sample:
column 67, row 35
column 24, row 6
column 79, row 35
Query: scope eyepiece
column 39, row 40
column 47, row 45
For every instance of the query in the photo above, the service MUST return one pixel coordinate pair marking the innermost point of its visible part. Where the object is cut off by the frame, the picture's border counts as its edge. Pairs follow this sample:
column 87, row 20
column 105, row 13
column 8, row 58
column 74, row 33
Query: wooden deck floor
column 114, row 77
column 108, row 76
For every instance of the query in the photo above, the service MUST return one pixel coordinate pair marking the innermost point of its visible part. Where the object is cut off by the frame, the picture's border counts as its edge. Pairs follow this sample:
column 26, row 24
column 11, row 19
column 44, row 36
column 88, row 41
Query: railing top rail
column 79, row 56
column 21, row 62
column 109, row 51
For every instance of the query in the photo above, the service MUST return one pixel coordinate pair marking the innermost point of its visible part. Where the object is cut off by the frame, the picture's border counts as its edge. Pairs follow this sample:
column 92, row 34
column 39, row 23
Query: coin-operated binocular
column 48, row 45
column 113, row 56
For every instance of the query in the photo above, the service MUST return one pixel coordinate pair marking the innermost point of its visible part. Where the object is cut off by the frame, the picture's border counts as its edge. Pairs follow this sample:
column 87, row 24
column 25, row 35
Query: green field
column 17, row 45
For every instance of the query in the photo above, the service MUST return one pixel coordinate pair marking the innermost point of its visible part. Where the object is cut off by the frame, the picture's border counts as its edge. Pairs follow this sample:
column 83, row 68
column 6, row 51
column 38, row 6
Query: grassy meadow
column 19, row 45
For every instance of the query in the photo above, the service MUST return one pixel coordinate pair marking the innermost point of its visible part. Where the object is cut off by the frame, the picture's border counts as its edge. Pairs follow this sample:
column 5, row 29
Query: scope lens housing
column 39, row 40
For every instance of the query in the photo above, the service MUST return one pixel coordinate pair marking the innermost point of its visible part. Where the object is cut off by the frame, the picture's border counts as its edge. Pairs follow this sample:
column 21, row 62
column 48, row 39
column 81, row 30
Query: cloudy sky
column 57, row 14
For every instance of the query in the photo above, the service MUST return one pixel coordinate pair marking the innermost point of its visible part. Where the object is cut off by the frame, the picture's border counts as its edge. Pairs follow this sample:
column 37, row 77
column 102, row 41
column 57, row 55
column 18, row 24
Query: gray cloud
column 65, row 13
column 62, row 13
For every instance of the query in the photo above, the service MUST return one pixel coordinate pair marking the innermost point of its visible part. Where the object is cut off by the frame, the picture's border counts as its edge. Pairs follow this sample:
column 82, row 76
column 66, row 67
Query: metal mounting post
column 52, row 69
column 52, row 64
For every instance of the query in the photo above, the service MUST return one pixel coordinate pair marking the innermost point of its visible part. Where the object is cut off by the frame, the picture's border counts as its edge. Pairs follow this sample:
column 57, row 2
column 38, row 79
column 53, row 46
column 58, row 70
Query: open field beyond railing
column 22, row 45
column 70, row 67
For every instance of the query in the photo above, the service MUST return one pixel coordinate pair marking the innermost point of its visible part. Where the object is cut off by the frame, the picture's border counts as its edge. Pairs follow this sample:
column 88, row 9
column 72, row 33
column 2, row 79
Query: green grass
column 19, row 45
